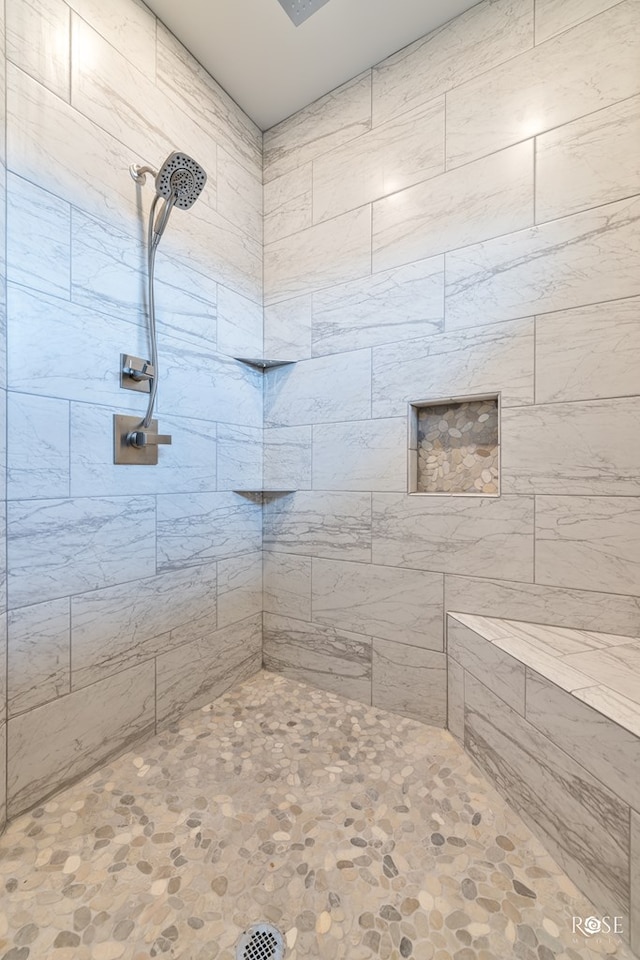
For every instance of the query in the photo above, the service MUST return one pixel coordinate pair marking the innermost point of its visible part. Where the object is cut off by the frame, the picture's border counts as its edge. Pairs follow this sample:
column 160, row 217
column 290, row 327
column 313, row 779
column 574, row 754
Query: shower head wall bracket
column 139, row 172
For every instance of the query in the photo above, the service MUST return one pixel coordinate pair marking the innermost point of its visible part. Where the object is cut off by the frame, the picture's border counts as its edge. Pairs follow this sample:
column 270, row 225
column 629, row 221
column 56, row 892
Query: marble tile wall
column 463, row 219
column 3, row 431
column 134, row 592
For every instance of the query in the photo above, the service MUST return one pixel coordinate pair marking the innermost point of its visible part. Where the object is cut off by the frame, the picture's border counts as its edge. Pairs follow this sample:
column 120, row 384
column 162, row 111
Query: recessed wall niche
column 454, row 446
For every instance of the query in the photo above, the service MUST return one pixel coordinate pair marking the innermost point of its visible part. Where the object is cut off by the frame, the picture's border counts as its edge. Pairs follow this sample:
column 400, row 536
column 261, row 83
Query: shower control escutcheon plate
column 124, row 452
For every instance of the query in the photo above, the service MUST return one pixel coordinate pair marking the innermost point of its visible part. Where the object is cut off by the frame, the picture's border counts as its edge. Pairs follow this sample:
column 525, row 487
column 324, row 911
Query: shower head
column 182, row 179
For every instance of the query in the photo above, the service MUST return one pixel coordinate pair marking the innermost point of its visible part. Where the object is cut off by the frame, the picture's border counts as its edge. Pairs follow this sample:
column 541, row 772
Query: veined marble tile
column 635, row 880
column 37, row 39
column 462, row 535
column 38, row 447
column 388, row 158
column 589, row 67
column 398, row 304
column 288, row 203
column 205, row 385
column 385, row 602
column 128, row 25
column 239, row 457
column 197, row 528
column 287, row 585
column 471, row 44
column 556, row 641
column 554, row 16
column 496, row 669
column 196, row 673
column 334, row 119
column 620, row 709
column 61, row 547
column 287, row 329
column 455, row 699
column 70, row 332
column 588, row 353
column 39, row 651
column 61, row 740
column 580, row 609
column 239, row 588
column 239, row 324
column 330, row 252
column 410, row 682
column 616, row 667
column 31, row 213
column 491, row 359
column 287, row 458
column 333, row 388
column 184, row 81
column 361, row 455
column 109, row 267
column 548, row 665
column 586, row 258
column 323, row 656
column 457, row 208
column 584, row 825
column 119, row 627
column 574, row 168
column 596, row 743
column 589, row 543
column 53, row 145
column 319, row 524
column 188, row 465
column 571, row 448
column 3, row 774
column 239, row 194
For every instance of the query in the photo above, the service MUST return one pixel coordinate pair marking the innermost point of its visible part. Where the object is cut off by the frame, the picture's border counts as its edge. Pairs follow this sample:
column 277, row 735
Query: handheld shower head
column 179, row 182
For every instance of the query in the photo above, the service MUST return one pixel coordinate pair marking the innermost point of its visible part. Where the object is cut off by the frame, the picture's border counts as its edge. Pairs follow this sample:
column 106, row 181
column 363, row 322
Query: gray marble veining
column 410, row 681
column 287, row 458
column 42, row 424
column 287, row 585
column 496, row 669
column 320, row 524
column 360, row 455
column 554, row 16
column 198, row 528
column 31, row 212
column 333, row 388
column 239, row 588
column 38, row 661
column 29, row 30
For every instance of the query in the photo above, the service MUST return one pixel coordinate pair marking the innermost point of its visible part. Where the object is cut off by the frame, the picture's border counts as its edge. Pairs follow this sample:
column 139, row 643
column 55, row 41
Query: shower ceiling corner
column 300, row 10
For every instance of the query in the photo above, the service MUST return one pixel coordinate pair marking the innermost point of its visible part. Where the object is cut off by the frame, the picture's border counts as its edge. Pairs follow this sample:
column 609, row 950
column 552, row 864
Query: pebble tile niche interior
column 456, row 447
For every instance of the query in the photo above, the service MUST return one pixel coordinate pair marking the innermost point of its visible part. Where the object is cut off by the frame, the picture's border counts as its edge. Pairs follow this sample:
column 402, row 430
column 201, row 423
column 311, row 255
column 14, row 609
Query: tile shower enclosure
column 501, row 257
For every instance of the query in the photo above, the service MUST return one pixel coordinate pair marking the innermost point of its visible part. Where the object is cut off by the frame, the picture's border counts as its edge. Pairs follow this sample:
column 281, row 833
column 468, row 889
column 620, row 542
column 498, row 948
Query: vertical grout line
column 444, row 134
column 70, row 51
column 5, row 589
column 534, row 538
column 70, row 646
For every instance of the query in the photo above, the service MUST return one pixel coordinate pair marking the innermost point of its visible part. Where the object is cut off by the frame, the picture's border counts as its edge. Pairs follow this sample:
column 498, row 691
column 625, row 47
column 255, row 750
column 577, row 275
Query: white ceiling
column 272, row 68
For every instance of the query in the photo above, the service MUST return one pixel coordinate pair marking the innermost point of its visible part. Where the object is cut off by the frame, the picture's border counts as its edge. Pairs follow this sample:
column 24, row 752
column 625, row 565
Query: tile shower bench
column 552, row 716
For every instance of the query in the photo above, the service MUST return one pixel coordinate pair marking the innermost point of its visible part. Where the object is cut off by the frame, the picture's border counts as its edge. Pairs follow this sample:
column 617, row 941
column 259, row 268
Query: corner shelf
column 263, row 364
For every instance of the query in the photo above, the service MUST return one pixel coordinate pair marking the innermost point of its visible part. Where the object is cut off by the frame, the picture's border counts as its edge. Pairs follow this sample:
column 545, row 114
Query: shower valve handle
column 143, row 438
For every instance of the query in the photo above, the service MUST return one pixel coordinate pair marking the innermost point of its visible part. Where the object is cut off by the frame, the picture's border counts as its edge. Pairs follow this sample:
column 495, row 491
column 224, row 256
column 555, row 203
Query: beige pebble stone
column 290, row 937
column 107, row 951
column 323, row 923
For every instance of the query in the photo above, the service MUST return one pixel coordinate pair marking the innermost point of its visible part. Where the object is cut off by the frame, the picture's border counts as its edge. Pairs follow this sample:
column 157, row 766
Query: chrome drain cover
column 262, row 941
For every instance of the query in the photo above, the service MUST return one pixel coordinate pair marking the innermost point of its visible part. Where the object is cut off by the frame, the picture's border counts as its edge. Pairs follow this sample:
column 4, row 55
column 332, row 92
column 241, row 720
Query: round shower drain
column 261, row 941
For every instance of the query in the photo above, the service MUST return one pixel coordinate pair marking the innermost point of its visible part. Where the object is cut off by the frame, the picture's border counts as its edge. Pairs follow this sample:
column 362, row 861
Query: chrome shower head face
column 181, row 177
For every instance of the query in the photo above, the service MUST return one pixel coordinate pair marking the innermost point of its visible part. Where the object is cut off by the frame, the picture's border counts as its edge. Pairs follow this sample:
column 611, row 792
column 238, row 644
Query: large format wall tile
column 573, row 163
column 465, row 47
column 287, row 329
column 361, row 455
column 334, row 119
column 588, row 353
column 37, row 447
column 315, row 523
column 592, row 543
column 582, row 823
column 603, row 748
column 554, row 16
column 38, row 654
column 32, row 212
column 196, row 528
column 577, row 72
column 119, row 627
column 330, row 252
column 489, row 360
column 582, row 259
column 61, row 547
column 324, row 656
column 129, row 27
column 287, row 585
column 3, row 778
column 239, row 326
column 37, row 41
column 617, row 667
column 322, row 389
column 288, row 203
column 498, row 671
column 286, row 458
column 196, row 673
column 580, row 609
column 239, row 588
column 457, row 208
column 571, row 448
column 399, row 304
column 455, row 699
column 62, row 740
column 239, row 456
column 388, row 158
column 410, row 682
column 455, row 535
column 394, row 604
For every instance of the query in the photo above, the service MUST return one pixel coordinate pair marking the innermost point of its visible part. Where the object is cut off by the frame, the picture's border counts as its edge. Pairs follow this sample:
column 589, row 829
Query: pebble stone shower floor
column 357, row 832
